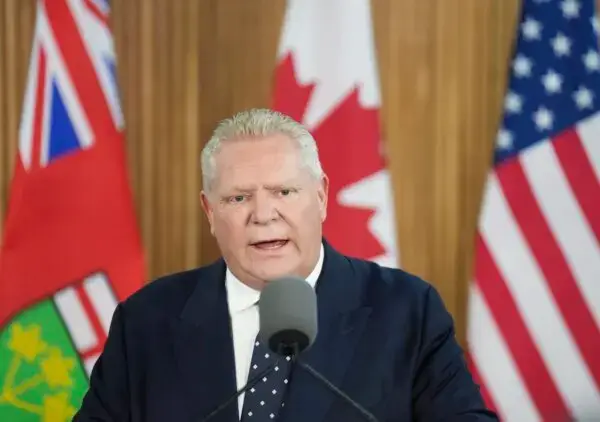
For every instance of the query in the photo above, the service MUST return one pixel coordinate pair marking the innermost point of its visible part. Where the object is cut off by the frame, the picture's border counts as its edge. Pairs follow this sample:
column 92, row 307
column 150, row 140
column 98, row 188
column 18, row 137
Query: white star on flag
column 531, row 29
column 522, row 66
column 583, row 97
column 591, row 60
column 570, row 9
column 513, row 103
column 504, row 140
column 561, row 45
column 543, row 118
column 552, row 82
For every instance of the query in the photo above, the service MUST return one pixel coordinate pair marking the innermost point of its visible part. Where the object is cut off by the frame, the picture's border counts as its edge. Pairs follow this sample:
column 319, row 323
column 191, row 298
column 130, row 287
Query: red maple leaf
column 348, row 140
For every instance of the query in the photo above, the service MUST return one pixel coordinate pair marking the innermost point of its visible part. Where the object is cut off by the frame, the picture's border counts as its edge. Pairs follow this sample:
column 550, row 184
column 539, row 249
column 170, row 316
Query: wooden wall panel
column 443, row 66
column 185, row 64
column 16, row 23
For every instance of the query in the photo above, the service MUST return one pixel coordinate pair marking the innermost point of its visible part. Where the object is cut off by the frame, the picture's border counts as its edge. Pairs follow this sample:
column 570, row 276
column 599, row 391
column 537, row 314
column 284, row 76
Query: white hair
column 259, row 122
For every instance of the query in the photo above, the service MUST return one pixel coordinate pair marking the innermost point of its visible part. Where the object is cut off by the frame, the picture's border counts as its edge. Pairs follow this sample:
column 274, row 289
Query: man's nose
column 264, row 210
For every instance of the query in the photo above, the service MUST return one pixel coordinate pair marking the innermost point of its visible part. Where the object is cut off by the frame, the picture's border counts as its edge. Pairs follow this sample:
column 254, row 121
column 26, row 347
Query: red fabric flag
column 327, row 78
column 71, row 248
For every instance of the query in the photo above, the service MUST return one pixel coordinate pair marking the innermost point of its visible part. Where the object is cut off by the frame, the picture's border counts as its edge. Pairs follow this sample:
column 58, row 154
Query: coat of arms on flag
column 71, row 250
column 49, row 349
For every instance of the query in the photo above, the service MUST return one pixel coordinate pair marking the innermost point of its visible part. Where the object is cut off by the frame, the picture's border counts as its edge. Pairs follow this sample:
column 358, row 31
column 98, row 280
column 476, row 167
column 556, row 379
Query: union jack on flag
column 71, row 248
column 534, row 312
column 68, row 77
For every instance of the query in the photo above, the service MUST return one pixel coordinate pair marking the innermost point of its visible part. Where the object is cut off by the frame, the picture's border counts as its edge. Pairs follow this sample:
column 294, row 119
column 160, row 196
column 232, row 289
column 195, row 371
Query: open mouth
column 270, row 244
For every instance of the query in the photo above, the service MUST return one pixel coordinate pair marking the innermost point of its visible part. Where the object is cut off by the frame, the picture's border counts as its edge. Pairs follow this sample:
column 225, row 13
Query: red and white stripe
column 100, row 9
column 87, row 311
column 534, row 312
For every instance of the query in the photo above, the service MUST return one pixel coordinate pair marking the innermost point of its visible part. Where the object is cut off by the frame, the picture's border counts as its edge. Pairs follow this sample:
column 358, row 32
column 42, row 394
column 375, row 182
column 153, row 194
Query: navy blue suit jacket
column 385, row 338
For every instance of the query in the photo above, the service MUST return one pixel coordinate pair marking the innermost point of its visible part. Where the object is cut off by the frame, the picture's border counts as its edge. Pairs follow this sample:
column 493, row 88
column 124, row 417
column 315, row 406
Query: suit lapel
column 203, row 347
column 341, row 324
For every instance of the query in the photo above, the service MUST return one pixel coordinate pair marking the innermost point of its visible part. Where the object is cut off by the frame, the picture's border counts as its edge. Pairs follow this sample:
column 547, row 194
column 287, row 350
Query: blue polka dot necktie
column 264, row 401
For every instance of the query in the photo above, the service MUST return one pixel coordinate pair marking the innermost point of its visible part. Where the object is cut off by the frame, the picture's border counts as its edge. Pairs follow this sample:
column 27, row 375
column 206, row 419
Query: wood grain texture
column 185, row 64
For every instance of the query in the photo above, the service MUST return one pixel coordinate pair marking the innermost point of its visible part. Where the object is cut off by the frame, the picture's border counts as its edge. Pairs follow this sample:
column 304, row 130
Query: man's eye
column 237, row 198
column 286, row 192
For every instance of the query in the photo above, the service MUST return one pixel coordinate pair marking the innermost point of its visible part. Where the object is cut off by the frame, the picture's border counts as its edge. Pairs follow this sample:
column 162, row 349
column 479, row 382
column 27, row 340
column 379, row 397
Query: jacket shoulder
column 166, row 295
column 399, row 295
column 394, row 283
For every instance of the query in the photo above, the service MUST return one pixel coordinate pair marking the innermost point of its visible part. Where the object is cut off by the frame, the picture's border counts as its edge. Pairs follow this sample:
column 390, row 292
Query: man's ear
column 323, row 195
column 208, row 210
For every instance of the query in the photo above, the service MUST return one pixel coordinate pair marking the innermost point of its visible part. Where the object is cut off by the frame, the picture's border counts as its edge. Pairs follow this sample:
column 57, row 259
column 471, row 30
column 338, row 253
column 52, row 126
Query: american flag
column 534, row 309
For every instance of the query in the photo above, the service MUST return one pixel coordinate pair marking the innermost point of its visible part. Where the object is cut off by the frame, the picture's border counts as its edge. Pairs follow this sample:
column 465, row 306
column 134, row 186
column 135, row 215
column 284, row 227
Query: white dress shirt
column 243, row 310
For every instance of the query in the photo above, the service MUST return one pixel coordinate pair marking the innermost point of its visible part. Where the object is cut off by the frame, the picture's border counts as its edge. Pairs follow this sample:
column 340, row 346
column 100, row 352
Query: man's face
column 265, row 209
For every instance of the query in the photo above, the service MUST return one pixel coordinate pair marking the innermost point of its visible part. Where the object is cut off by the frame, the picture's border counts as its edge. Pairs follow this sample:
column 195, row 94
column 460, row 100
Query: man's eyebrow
column 241, row 189
column 285, row 185
column 275, row 186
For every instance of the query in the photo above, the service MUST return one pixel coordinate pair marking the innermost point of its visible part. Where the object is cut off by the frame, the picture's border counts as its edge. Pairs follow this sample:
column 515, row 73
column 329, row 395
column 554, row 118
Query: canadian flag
column 327, row 78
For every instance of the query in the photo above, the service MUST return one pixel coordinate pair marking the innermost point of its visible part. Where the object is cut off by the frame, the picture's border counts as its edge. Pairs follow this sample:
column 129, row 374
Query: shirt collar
column 241, row 296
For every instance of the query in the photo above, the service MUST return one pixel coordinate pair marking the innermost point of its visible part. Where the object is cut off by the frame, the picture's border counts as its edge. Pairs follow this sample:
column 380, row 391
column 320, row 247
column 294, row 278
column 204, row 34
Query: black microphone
column 288, row 325
column 251, row 383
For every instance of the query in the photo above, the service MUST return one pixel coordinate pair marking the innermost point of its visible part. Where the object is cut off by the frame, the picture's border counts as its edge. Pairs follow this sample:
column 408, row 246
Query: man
column 183, row 344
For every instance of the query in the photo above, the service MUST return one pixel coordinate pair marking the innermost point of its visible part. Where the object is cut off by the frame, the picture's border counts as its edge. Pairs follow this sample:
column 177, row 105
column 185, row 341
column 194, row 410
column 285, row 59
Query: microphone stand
column 247, row 387
column 293, row 351
column 368, row 416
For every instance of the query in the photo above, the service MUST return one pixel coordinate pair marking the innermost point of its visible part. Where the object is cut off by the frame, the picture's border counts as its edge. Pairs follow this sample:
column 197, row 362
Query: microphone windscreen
column 288, row 315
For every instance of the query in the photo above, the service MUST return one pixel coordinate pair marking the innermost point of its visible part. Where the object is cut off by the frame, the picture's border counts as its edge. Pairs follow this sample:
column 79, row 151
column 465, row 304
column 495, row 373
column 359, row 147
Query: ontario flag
column 327, row 78
column 71, row 248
